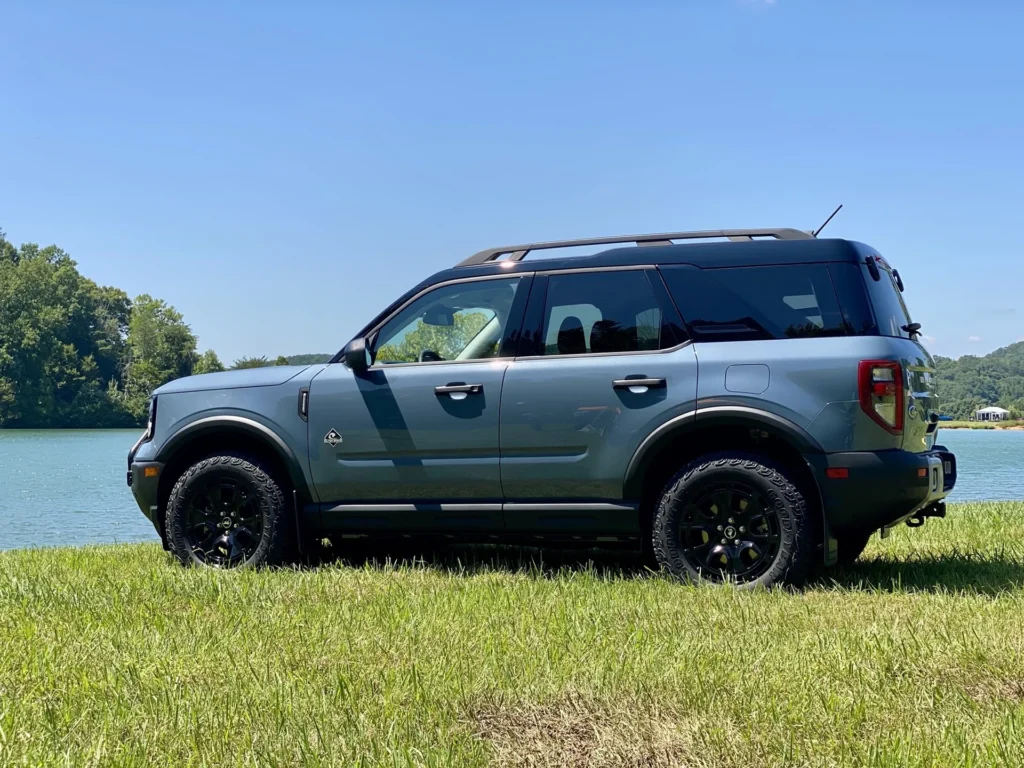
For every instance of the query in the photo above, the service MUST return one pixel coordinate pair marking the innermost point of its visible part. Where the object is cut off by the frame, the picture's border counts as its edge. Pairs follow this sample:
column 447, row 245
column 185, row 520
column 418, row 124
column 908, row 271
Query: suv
column 743, row 410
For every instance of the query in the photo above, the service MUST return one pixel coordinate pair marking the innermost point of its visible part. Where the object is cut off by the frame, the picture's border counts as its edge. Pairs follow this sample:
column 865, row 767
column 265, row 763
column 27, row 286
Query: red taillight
column 880, row 383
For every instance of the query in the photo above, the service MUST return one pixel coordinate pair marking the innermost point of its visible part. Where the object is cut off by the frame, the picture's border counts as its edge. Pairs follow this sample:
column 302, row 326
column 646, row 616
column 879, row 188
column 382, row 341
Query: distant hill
column 971, row 382
column 309, row 359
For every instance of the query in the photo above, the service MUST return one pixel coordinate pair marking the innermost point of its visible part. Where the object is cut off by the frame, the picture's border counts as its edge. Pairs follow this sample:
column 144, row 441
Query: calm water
column 68, row 487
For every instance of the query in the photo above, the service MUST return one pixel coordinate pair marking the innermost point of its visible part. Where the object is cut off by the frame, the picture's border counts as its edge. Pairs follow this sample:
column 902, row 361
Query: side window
column 741, row 303
column 461, row 321
column 595, row 312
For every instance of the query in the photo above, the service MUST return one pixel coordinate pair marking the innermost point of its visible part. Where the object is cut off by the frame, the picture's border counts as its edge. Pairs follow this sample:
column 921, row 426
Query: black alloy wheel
column 223, row 522
column 729, row 531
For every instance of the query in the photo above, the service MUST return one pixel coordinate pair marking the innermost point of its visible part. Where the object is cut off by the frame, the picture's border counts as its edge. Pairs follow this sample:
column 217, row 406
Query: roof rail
column 518, row 252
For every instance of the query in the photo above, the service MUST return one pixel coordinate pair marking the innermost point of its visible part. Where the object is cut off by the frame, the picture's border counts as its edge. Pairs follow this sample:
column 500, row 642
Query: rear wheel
column 227, row 512
column 735, row 517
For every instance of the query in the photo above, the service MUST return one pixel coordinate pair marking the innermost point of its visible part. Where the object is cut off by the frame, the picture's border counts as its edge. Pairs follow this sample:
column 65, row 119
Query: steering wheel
column 429, row 356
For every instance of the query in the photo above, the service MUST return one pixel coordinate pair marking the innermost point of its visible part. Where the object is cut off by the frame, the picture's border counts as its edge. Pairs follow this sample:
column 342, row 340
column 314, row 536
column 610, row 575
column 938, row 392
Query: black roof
column 805, row 249
column 705, row 255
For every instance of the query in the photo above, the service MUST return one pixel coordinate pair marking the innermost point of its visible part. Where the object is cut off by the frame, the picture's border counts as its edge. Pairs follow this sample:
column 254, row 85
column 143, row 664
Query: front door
column 610, row 364
column 412, row 443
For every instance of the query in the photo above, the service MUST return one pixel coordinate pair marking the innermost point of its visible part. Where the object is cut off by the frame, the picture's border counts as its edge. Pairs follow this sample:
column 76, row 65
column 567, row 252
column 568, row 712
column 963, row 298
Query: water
column 60, row 487
column 68, row 487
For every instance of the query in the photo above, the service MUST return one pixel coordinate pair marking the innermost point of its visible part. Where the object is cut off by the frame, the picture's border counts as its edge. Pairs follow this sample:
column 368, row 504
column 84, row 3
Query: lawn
column 113, row 656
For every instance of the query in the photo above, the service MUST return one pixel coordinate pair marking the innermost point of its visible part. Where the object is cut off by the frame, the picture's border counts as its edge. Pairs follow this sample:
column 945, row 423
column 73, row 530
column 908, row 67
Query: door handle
column 638, row 385
column 454, row 389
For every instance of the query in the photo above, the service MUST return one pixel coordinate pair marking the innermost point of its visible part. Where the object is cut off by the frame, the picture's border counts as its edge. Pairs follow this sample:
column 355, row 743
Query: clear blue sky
column 280, row 171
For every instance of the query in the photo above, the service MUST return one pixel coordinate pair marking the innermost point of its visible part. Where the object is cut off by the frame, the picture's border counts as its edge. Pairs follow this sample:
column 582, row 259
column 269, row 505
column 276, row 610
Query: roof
column 992, row 409
column 705, row 255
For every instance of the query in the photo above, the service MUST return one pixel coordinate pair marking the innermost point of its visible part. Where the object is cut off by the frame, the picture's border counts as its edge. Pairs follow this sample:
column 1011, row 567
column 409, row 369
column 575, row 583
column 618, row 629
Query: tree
column 161, row 347
column 76, row 354
column 250, row 362
column 208, row 362
column 281, row 360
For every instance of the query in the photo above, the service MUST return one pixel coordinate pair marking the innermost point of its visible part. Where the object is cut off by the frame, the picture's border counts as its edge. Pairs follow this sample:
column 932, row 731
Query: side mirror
column 356, row 355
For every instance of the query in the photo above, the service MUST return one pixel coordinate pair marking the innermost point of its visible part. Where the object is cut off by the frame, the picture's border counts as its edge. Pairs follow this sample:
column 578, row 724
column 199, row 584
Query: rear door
column 606, row 363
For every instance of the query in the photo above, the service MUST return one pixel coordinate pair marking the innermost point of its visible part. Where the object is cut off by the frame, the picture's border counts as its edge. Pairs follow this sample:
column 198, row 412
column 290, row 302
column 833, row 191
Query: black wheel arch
column 716, row 428
column 235, row 434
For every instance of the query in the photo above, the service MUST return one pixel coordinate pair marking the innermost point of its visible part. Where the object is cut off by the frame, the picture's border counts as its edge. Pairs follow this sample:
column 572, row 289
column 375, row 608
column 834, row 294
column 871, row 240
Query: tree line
column 77, row 354
column 972, row 382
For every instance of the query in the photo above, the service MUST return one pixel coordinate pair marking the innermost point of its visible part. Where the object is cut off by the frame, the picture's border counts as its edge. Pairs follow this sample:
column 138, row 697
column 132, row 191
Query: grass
column 915, row 657
column 1008, row 424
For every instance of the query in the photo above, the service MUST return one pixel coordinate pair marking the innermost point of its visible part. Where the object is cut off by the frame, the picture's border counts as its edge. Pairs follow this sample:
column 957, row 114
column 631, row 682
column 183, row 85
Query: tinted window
column 595, row 312
column 890, row 311
column 779, row 302
column 461, row 321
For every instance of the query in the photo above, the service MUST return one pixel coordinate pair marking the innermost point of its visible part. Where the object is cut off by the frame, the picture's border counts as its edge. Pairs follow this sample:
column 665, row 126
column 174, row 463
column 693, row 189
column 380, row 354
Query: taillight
column 880, row 383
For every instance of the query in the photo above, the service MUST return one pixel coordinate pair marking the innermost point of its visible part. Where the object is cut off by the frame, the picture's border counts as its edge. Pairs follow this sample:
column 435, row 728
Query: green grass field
column 114, row 656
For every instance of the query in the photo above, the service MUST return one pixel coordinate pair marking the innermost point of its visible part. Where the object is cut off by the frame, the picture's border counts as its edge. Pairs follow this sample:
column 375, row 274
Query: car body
column 570, row 394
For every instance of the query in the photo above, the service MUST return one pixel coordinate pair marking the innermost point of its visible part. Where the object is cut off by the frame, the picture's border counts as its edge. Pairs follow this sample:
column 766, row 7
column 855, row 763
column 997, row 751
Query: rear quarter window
column 887, row 302
column 792, row 301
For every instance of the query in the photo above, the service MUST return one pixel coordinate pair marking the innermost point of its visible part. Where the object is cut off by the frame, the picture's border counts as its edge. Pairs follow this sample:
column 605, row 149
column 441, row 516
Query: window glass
column 595, row 312
column 461, row 321
column 890, row 311
column 777, row 302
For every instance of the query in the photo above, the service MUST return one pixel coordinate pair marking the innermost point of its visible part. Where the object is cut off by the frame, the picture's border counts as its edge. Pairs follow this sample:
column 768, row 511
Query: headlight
column 151, row 423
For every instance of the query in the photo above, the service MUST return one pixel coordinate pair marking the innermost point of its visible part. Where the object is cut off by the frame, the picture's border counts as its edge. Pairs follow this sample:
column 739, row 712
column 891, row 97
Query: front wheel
column 227, row 512
column 735, row 517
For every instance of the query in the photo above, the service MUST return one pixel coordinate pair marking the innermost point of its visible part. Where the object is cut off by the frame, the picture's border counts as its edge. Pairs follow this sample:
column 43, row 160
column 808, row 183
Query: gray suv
column 743, row 408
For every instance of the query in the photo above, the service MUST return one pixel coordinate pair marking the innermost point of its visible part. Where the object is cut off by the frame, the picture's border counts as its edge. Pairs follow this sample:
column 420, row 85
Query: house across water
column 991, row 413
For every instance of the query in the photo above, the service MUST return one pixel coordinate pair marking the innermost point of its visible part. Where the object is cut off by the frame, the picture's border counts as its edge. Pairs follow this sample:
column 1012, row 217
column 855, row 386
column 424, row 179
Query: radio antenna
column 818, row 230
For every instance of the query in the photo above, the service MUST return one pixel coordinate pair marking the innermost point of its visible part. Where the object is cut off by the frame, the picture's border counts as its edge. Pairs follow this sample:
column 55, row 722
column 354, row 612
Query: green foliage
column 281, row 360
column 972, row 382
column 208, row 362
column 310, row 359
column 250, row 362
column 75, row 354
column 446, row 340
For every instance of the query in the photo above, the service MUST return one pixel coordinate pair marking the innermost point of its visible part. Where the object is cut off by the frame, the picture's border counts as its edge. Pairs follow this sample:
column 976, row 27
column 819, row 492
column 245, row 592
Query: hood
column 270, row 376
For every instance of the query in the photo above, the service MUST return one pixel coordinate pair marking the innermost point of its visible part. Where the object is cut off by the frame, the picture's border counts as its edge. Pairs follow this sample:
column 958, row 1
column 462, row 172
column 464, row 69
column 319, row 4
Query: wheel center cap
column 730, row 532
column 225, row 523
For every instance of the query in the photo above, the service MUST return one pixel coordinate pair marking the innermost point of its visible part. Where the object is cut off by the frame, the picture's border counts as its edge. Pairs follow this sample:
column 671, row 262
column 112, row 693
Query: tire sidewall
column 266, row 492
column 766, row 478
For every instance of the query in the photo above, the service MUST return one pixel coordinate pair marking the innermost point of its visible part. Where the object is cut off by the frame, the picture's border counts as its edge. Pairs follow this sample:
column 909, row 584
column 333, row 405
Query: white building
column 992, row 413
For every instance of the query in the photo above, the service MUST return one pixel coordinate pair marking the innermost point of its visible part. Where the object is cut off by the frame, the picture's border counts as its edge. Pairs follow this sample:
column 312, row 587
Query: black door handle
column 469, row 389
column 648, row 383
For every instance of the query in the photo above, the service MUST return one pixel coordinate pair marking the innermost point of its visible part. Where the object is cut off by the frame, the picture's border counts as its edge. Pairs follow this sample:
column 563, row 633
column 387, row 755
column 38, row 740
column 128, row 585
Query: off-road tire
column 277, row 545
column 798, row 524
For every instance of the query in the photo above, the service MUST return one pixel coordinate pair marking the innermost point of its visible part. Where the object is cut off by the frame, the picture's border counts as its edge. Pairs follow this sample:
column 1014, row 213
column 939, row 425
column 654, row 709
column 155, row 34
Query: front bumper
column 883, row 488
column 144, row 480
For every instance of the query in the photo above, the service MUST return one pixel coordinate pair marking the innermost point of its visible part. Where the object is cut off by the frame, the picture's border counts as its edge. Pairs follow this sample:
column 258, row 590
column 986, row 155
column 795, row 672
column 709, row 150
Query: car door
column 412, row 442
column 609, row 362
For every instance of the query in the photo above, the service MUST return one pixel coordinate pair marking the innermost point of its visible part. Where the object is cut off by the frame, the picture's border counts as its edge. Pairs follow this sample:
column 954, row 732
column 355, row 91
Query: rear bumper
column 883, row 487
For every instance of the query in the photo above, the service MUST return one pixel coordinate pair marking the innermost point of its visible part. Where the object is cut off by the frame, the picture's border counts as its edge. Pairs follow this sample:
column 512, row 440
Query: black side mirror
column 356, row 355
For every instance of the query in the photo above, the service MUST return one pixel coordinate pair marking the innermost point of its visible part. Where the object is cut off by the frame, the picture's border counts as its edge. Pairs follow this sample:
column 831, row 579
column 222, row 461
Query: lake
column 68, row 487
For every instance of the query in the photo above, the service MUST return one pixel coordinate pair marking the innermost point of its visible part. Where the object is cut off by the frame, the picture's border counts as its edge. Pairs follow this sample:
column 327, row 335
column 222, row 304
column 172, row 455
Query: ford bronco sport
column 742, row 409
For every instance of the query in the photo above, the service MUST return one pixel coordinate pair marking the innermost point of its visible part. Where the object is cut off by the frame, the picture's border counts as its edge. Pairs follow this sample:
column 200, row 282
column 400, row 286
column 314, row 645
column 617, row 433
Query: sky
column 279, row 172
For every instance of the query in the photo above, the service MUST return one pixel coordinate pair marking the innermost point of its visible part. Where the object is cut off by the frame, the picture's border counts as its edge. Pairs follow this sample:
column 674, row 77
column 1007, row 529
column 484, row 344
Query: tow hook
column 938, row 509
